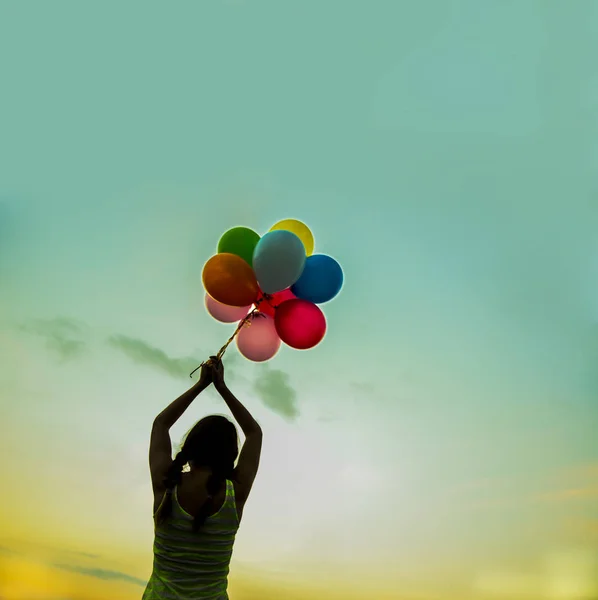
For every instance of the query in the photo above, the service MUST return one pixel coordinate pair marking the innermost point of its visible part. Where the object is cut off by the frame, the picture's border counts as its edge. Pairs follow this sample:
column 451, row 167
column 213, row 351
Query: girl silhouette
column 197, row 513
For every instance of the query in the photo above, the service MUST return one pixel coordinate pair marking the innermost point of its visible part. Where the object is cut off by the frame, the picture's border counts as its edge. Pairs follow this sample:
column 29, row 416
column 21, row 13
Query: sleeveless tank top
column 189, row 565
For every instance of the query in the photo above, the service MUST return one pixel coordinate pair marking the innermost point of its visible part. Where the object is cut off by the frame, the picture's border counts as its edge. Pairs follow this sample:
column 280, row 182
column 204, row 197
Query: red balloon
column 268, row 307
column 300, row 324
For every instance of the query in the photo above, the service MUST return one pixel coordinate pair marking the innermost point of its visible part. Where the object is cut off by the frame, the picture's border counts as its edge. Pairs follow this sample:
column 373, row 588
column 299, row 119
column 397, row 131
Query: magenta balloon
column 224, row 313
column 258, row 341
column 300, row 324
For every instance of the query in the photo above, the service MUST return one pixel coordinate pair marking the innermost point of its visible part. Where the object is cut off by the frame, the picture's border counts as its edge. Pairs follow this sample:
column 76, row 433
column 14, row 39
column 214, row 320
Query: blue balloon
column 321, row 280
column 278, row 260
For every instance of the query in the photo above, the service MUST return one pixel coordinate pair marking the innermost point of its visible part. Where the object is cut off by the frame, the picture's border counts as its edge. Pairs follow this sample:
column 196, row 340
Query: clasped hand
column 212, row 371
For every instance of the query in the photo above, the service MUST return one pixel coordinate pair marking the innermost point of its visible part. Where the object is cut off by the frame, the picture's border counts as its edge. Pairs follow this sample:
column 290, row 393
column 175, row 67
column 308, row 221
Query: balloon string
column 245, row 321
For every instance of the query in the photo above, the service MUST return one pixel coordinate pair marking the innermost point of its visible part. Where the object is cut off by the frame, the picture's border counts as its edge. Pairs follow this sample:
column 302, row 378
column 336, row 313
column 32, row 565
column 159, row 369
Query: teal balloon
column 278, row 260
column 240, row 241
column 321, row 280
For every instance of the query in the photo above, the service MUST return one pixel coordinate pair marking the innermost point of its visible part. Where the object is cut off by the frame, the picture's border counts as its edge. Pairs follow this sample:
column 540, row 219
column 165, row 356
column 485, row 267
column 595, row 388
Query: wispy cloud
column 589, row 492
column 104, row 574
column 328, row 418
column 63, row 336
column 6, row 551
column 583, row 529
column 577, row 483
column 233, row 362
column 360, row 387
column 143, row 353
column 272, row 386
column 33, row 555
column 27, row 549
column 83, row 554
column 275, row 391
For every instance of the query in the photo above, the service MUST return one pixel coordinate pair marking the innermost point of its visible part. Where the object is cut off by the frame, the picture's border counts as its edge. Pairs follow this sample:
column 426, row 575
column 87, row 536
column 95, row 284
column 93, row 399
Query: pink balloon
column 300, row 324
column 258, row 340
column 224, row 313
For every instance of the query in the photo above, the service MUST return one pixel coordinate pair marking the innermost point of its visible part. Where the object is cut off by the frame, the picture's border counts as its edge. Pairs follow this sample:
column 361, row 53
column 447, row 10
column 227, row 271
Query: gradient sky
column 440, row 444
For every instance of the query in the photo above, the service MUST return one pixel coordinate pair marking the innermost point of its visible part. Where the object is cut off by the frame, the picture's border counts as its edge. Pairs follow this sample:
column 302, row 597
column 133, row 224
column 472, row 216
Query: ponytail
column 172, row 479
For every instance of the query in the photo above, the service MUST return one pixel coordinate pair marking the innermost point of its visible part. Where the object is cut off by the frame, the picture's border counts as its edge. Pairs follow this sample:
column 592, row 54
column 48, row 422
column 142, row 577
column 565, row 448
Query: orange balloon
column 230, row 280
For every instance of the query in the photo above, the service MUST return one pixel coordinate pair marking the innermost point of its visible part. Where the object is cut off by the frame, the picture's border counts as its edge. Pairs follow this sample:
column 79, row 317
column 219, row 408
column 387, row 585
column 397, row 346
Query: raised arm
column 160, row 451
column 249, row 458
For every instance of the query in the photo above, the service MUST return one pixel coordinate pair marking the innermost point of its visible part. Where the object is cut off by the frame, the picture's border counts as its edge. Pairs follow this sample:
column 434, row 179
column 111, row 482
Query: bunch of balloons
column 272, row 286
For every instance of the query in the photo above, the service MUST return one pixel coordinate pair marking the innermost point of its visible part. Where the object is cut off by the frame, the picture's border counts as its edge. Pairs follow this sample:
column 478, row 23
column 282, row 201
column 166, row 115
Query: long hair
column 213, row 443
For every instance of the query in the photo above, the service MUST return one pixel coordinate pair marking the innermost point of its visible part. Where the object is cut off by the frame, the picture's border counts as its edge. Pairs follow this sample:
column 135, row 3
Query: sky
column 440, row 443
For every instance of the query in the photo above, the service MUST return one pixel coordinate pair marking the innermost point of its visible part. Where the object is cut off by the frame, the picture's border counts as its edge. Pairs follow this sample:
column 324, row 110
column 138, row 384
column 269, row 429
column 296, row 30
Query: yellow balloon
column 301, row 230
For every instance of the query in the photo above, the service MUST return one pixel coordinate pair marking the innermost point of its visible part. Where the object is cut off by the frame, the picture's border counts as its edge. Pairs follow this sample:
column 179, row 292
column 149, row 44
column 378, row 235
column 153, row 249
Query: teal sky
column 443, row 152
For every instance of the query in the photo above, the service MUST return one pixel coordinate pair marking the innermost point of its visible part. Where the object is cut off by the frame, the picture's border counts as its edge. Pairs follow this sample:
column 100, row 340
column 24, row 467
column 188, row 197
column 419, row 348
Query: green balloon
column 240, row 241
